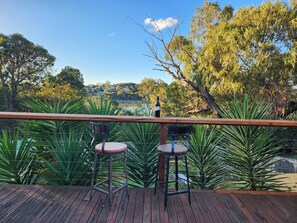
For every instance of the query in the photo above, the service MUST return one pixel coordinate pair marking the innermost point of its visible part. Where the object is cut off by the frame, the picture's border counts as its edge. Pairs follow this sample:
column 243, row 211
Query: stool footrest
column 106, row 189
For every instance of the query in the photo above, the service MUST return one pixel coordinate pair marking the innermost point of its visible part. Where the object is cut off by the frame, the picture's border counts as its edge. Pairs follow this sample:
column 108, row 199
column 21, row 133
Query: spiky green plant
column 102, row 107
column 142, row 140
column 16, row 159
column 206, row 167
column 70, row 163
column 249, row 150
column 39, row 130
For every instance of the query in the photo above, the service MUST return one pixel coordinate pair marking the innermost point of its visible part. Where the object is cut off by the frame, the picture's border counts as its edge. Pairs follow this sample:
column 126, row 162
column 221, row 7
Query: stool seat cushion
column 178, row 149
column 111, row 147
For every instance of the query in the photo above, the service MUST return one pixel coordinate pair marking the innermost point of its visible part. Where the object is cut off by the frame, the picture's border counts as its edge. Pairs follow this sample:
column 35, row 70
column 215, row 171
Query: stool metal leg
column 187, row 173
column 176, row 173
column 157, row 174
column 166, row 181
column 110, row 180
column 126, row 173
column 93, row 176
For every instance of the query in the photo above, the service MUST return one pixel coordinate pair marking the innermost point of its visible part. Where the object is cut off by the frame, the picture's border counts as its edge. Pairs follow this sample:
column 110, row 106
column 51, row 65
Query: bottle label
column 157, row 108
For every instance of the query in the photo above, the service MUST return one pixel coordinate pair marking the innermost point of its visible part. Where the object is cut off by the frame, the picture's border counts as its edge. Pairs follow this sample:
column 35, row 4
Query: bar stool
column 174, row 150
column 108, row 149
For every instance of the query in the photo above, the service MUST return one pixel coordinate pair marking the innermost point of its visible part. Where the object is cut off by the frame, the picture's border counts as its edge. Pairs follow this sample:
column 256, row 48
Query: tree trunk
column 209, row 100
column 285, row 108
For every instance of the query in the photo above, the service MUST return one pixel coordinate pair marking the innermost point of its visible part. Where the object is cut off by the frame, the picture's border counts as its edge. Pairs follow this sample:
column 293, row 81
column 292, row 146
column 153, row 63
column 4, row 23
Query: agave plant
column 70, row 163
column 250, row 150
column 41, row 129
column 142, row 140
column 16, row 159
column 104, row 107
column 206, row 166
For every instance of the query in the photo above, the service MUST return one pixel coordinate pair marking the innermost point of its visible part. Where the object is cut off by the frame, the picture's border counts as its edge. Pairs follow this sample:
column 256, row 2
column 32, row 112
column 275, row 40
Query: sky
column 101, row 38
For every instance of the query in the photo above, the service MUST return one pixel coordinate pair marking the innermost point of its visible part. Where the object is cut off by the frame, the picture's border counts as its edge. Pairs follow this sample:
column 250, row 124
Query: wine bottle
column 157, row 110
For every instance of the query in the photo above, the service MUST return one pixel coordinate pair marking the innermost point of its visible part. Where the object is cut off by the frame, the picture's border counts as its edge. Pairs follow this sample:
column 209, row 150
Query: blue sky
column 100, row 38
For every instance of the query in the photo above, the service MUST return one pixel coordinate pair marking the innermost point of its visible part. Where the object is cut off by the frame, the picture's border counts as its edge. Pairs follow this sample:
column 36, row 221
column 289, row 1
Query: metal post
column 163, row 135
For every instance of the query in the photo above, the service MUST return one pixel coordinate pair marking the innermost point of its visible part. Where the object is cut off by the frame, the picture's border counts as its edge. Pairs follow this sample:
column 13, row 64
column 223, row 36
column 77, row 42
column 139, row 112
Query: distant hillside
column 119, row 91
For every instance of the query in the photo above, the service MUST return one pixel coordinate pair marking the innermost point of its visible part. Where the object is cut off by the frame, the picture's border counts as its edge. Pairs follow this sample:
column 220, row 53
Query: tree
column 150, row 88
column 72, row 76
column 227, row 53
column 256, row 48
column 23, row 65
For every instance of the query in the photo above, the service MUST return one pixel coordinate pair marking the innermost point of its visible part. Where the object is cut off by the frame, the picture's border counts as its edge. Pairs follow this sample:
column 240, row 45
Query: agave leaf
column 249, row 150
column 142, row 140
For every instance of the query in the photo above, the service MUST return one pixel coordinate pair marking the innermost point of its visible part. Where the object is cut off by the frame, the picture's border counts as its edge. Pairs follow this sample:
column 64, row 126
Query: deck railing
column 163, row 121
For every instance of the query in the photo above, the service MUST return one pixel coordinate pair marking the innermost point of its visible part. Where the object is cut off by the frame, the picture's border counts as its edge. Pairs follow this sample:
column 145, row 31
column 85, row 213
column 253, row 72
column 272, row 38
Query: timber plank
column 170, row 209
column 188, row 208
column 192, row 210
column 131, row 207
column 114, row 209
column 64, row 204
column 7, row 191
column 258, row 213
column 26, row 207
column 288, row 212
column 100, row 211
column 10, row 195
column 37, row 206
column 217, row 206
column 269, row 207
column 23, row 203
column 206, row 198
column 243, row 208
column 234, row 208
column 162, row 212
column 138, row 213
column 207, row 216
column 262, row 209
column 289, row 204
column 90, row 207
column 47, row 207
column 73, row 206
column 12, row 205
column 82, row 204
column 155, row 207
column 122, row 208
column 147, row 206
column 100, row 206
column 179, row 208
column 56, row 204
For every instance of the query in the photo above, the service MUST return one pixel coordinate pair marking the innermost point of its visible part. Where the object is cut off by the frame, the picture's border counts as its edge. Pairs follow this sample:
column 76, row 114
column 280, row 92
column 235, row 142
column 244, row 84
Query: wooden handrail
column 145, row 119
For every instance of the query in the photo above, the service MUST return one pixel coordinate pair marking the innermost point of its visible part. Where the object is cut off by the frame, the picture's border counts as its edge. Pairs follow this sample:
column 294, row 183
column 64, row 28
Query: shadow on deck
column 20, row 203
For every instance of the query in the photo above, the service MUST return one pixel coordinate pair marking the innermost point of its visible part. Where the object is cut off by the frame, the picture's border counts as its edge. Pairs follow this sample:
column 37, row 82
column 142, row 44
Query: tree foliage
column 71, row 76
column 227, row 53
column 23, row 65
column 66, row 85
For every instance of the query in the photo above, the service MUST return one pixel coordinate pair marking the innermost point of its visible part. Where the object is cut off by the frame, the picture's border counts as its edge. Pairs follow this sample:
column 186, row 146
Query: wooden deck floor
column 69, row 204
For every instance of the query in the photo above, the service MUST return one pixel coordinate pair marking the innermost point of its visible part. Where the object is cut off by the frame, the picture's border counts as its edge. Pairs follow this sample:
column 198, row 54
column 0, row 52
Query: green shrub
column 16, row 159
column 206, row 167
column 250, row 150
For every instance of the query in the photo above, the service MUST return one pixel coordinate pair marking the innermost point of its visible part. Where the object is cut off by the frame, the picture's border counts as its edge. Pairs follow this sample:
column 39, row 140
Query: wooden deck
column 69, row 204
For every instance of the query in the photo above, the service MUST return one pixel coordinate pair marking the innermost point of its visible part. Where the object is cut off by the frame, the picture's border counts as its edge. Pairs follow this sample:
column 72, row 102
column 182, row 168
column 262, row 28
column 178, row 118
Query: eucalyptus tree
column 23, row 65
column 230, row 53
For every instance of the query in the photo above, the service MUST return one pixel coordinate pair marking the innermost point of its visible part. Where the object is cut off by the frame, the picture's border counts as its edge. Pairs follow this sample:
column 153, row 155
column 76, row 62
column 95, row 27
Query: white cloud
column 158, row 25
